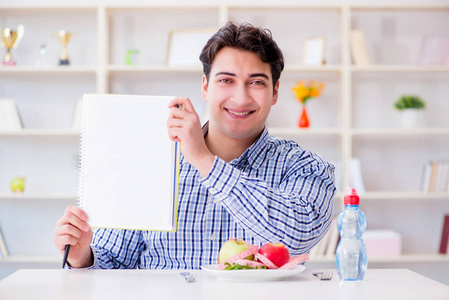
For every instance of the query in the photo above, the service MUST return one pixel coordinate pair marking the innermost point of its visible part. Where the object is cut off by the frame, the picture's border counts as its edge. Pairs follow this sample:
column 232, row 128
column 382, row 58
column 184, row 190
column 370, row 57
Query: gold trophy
column 64, row 38
column 11, row 38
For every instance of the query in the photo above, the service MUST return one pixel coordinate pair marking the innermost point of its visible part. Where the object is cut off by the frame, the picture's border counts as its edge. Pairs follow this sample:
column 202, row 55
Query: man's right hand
column 72, row 229
column 184, row 126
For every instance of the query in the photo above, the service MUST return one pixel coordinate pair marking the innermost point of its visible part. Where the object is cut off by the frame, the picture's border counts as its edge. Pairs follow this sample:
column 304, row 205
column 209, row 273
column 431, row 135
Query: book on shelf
column 442, row 184
column 436, row 176
column 358, row 48
column 427, row 173
column 434, row 50
column 129, row 166
column 444, row 236
column 382, row 242
column 355, row 175
column 9, row 116
column 3, row 249
column 433, row 176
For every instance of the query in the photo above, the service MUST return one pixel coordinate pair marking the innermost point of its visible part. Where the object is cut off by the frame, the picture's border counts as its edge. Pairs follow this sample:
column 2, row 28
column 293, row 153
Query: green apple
column 18, row 184
column 232, row 248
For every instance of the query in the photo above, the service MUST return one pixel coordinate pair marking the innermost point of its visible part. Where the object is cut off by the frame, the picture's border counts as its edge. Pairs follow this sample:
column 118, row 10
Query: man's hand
column 184, row 126
column 72, row 229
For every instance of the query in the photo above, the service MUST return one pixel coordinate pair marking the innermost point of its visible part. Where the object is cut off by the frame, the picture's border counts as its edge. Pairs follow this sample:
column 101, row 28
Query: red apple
column 232, row 248
column 277, row 253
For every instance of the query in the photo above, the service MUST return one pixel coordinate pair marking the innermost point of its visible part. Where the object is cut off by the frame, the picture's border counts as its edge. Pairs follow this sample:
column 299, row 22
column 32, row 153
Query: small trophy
column 11, row 38
column 64, row 38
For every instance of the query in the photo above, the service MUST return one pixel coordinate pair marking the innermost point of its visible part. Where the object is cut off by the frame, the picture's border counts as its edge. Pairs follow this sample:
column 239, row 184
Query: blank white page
column 129, row 166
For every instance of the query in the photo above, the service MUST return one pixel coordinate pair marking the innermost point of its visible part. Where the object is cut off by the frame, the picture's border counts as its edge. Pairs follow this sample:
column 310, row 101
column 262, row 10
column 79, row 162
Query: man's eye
column 224, row 80
column 258, row 82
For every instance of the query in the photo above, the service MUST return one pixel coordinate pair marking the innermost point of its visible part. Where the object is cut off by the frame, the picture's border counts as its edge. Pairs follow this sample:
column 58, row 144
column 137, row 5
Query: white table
column 159, row 284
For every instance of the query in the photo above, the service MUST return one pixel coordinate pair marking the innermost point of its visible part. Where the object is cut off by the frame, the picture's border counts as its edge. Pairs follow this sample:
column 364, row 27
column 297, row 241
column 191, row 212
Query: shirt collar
column 255, row 154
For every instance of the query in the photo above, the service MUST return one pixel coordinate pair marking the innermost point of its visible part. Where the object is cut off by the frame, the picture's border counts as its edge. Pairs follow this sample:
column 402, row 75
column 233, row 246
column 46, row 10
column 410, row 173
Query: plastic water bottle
column 351, row 251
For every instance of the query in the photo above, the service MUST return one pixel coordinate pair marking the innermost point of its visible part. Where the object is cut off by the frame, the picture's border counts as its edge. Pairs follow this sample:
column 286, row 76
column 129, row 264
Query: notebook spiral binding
column 81, row 154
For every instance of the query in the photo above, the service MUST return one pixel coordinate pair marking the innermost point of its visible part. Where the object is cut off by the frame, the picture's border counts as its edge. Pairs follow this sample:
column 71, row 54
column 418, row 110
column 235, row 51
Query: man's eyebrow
column 260, row 75
column 251, row 75
column 225, row 73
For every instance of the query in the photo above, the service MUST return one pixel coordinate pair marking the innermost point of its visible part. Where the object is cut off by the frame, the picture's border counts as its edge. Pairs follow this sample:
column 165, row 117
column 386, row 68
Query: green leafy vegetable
column 236, row 266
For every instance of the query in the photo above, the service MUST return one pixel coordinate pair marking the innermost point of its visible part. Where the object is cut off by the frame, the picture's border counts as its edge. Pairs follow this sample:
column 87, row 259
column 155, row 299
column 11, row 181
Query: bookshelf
column 354, row 116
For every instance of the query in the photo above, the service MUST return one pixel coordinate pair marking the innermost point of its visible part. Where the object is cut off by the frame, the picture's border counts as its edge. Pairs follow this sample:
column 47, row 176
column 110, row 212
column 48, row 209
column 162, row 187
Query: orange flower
column 304, row 92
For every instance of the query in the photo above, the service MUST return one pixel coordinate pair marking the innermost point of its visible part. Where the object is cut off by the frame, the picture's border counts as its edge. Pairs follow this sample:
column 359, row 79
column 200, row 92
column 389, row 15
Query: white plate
column 252, row 275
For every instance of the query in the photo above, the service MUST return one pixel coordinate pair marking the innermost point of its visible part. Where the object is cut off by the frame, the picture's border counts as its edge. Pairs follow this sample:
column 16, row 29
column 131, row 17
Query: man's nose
column 241, row 95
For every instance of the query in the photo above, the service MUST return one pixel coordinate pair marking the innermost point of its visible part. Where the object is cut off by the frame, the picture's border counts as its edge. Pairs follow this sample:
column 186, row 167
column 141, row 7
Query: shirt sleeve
column 116, row 248
column 296, row 213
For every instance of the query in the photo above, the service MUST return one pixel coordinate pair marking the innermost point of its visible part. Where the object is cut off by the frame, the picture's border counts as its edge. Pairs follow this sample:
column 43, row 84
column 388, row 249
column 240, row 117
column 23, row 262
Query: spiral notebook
column 129, row 168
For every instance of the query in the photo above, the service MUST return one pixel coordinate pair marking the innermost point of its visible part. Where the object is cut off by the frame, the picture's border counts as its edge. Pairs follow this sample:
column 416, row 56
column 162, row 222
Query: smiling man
column 236, row 181
column 239, row 92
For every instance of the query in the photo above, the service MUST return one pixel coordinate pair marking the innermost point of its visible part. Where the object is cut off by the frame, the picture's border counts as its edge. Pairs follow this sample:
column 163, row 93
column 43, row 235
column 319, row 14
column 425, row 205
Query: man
column 236, row 181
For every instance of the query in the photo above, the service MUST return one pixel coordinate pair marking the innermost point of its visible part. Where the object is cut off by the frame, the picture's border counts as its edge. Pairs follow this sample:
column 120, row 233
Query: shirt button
column 211, row 237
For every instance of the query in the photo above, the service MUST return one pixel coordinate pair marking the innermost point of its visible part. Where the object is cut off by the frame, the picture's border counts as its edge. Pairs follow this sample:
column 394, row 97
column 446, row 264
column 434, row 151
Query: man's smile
column 239, row 113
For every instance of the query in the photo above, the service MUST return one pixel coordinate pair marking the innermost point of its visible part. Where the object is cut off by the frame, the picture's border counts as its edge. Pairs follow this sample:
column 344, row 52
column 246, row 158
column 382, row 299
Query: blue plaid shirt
column 274, row 192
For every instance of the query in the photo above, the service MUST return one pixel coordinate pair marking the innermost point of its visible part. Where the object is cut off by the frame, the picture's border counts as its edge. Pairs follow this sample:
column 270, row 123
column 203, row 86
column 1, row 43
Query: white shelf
column 37, row 9
column 400, row 68
column 40, row 133
column 304, row 131
column 27, row 196
column 404, row 196
column 156, row 68
column 31, row 259
column 130, row 7
column 323, row 68
column 395, row 6
column 395, row 132
column 50, row 70
column 198, row 68
column 404, row 258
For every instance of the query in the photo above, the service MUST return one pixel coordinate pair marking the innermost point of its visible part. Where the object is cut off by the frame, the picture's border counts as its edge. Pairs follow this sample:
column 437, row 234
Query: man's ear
column 275, row 93
column 204, row 88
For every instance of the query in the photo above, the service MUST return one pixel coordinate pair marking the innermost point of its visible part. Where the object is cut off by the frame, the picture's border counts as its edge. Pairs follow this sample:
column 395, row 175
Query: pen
column 66, row 254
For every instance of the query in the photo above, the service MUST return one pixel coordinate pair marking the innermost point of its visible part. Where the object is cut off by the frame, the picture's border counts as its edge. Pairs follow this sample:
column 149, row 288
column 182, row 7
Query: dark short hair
column 244, row 37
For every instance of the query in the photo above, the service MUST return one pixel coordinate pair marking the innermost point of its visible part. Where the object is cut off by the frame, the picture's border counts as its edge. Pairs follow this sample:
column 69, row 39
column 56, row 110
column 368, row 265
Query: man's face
column 239, row 94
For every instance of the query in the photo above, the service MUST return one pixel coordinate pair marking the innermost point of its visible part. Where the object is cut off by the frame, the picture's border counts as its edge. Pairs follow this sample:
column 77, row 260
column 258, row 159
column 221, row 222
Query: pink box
column 382, row 242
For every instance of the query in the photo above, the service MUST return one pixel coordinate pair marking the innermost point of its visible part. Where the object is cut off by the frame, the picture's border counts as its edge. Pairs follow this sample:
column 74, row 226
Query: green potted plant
column 409, row 106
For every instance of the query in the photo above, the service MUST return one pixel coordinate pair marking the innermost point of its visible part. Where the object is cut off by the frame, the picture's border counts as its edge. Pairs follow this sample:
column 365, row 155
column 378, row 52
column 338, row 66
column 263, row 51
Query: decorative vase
column 410, row 118
column 303, row 120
